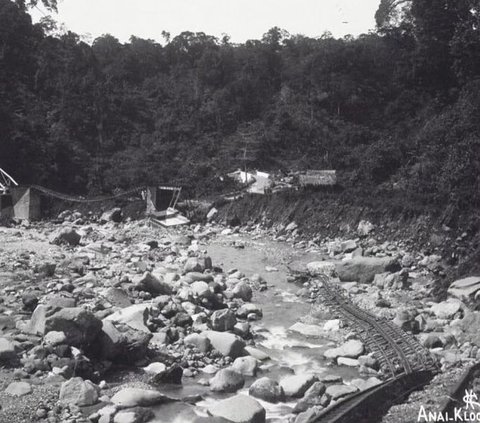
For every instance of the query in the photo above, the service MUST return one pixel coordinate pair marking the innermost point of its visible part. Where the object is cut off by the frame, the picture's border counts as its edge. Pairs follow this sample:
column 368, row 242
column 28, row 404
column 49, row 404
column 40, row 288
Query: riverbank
column 198, row 321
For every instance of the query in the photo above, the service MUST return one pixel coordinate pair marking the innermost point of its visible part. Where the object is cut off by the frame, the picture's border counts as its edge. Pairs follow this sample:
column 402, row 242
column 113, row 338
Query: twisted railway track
column 405, row 363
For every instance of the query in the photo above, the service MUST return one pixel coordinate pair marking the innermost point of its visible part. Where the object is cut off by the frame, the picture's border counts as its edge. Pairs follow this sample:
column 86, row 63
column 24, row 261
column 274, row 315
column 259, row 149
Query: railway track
column 404, row 362
column 395, row 350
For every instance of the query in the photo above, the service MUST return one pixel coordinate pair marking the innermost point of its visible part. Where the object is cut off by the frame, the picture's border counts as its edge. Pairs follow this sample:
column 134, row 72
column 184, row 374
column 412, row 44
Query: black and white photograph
column 239, row 211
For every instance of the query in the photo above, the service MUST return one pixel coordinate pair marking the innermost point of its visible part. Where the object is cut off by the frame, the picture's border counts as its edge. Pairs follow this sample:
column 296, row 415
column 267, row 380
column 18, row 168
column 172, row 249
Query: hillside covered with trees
column 394, row 111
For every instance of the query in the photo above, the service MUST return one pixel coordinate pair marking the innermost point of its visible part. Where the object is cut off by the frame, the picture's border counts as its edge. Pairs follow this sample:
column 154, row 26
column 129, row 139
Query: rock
column 113, row 215
column 351, row 349
column 172, row 375
column 18, row 389
column 446, row 309
column 7, row 352
column 135, row 316
column 155, row 368
column 226, row 381
column 318, row 268
column 243, row 291
column 364, row 269
column 312, row 331
column 80, row 326
column 348, row 246
column 465, row 289
column 315, row 396
column 116, row 297
column 267, row 389
column 345, row 361
column 291, row 227
column 36, row 325
column 211, row 214
column 395, row 281
column 202, row 343
column 432, row 341
column 340, row 391
column 194, row 264
column 247, row 309
column 120, row 343
column 365, row 227
column 405, row 320
column 136, row 397
column 408, row 260
column 149, row 283
column 77, row 391
column 55, row 338
column 226, row 343
column 242, row 329
column 29, row 301
column 297, row 385
column 223, row 320
column 310, row 415
column 332, row 325
column 67, row 236
column 363, row 385
column 46, row 269
column 246, row 366
column 239, row 409
column 256, row 353
column 134, row 415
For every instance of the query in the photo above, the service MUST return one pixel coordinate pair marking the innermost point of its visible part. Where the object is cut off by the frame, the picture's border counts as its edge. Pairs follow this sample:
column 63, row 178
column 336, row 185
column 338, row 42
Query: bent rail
column 370, row 405
column 395, row 350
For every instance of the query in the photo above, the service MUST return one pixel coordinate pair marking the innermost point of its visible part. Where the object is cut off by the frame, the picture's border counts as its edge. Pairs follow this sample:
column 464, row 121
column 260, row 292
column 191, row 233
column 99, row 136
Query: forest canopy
column 393, row 110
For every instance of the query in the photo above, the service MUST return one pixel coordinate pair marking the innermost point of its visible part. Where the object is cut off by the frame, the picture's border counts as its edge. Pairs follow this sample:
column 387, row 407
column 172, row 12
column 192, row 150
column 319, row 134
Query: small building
column 318, row 178
column 161, row 203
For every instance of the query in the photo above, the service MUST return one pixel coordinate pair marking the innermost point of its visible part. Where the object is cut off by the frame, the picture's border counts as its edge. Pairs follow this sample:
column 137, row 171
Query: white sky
column 241, row 19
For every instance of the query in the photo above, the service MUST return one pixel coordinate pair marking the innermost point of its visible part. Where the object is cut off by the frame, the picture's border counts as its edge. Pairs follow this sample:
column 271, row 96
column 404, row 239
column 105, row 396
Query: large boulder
column 465, row 289
column 116, row 297
column 80, row 326
column 267, row 389
column 315, row 396
column 197, row 264
column 446, row 309
column 137, row 397
column 243, row 291
column 340, row 391
column 223, row 320
column 120, row 343
column 135, row 316
column 297, row 385
column 134, row 415
column 239, row 409
column 226, row 381
column 226, row 343
column 246, row 309
column 364, row 269
column 19, row 389
column 201, row 342
column 351, row 349
column 152, row 284
column 246, row 366
column 113, row 215
column 77, row 391
column 66, row 236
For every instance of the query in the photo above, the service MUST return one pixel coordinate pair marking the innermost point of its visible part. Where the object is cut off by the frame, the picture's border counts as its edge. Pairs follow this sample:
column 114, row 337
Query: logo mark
column 470, row 398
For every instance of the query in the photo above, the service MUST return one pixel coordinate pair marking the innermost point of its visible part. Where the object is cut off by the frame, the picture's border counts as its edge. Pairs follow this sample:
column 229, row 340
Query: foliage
column 392, row 110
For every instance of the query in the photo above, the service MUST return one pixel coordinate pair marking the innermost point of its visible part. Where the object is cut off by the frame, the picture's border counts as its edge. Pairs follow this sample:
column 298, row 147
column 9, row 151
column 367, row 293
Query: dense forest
column 396, row 110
